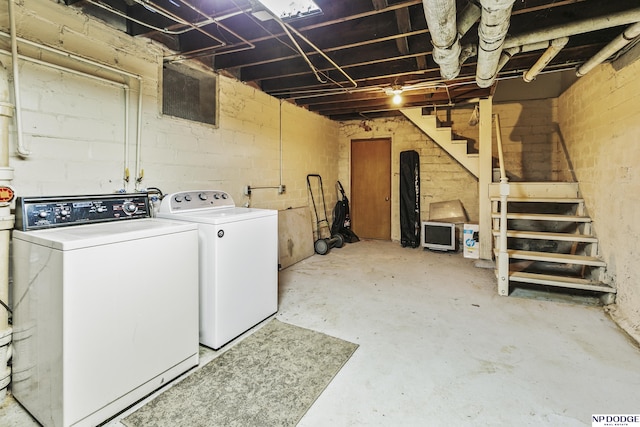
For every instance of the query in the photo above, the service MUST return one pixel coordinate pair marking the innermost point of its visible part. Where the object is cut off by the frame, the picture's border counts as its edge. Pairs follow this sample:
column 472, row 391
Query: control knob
column 129, row 208
column 203, row 196
column 187, row 197
column 43, row 214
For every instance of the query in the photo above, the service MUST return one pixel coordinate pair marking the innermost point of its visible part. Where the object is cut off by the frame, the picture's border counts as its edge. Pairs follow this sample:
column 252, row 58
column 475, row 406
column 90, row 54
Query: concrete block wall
column 74, row 125
column 441, row 177
column 599, row 118
column 531, row 144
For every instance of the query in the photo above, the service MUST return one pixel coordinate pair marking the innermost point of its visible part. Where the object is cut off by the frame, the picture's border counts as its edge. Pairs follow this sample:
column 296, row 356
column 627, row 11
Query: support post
column 484, row 178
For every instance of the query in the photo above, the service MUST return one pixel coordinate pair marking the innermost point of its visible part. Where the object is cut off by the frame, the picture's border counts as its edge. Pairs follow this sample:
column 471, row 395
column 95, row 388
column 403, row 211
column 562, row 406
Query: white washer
column 104, row 312
column 238, row 261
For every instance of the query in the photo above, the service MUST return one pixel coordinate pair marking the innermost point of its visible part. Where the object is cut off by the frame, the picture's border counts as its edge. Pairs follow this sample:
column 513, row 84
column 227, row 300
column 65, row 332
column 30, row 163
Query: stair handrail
column 503, row 255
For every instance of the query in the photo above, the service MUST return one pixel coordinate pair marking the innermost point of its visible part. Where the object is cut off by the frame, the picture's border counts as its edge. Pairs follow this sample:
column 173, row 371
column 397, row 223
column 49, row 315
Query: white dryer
column 105, row 305
column 238, row 261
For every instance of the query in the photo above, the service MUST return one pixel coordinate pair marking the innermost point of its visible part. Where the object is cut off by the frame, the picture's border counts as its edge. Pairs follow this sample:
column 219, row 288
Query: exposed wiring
column 317, row 49
column 288, row 29
column 304, row 55
column 155, row 190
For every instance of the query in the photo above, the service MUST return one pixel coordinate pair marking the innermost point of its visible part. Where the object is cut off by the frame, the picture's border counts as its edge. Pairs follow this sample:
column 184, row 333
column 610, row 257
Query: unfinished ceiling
column 346, row 62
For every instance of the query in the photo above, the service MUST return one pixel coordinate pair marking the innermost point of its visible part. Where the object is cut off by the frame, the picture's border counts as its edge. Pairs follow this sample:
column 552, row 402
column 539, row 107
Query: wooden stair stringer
column 579, row 266
column 457, row 148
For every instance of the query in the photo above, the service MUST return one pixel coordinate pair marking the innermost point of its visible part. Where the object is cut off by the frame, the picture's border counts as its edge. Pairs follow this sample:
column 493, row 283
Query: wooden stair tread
column 560, row 281
column 541, row 199
column 543, row 217
column 547, row 235
column 554, row 257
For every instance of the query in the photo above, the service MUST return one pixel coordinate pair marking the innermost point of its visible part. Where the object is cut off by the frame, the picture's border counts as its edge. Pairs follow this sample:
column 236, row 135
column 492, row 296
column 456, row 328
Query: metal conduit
column 101, row 66
column 22, row 151
column 192, row 26
column 167, row 14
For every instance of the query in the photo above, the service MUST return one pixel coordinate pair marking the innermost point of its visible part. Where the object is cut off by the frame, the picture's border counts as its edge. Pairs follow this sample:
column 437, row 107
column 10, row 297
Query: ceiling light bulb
column 397, row 99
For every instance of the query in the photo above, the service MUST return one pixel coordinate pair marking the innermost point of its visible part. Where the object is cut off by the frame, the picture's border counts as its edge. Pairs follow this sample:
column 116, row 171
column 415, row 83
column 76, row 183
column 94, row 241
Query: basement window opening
column 189, row 94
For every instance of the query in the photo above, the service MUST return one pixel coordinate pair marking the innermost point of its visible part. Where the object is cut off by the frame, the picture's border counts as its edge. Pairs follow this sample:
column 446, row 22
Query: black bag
column 341, row 219
column 409, row 199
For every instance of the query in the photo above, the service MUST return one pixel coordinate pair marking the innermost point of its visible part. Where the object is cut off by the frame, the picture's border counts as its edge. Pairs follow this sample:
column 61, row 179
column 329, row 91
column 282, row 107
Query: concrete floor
column 439, row 347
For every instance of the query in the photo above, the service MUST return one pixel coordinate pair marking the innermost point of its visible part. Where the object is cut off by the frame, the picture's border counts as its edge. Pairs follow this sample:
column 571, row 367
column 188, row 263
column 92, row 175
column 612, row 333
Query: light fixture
column 291, row 9
column 396, row 91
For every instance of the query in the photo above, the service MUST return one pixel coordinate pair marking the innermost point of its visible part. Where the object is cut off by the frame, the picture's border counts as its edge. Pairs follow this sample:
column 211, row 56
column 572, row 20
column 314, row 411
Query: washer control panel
column 194, row 200
column 35, row 213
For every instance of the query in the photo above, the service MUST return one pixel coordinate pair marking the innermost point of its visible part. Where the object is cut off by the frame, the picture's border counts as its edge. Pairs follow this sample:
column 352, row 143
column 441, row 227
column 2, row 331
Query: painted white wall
column 74, row 125
column 600, row 120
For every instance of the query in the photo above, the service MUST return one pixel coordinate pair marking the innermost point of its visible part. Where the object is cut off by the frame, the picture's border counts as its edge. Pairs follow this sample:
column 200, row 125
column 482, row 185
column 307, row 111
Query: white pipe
column 22, row 151
column 105, row 80
column 554, row 48
column 139, row 172
column 125, row 175
column 615, row 45
column 74, row 56
column 494, row 23
column 6, row 112
column 6, row 224
column 281, row 163
column 529, row 41
column 441, row 20
column 469, row 16
column 67, row 70
column 123, row 86
column 509, row 52
column 580, row 27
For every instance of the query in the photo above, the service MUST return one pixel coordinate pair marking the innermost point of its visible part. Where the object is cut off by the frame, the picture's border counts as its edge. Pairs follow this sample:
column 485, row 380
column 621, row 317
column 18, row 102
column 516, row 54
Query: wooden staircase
column 443, row 136
column 549, row 238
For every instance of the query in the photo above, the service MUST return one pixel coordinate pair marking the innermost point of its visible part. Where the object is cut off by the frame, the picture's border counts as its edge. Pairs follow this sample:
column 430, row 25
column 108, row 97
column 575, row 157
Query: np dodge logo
column 610, row 420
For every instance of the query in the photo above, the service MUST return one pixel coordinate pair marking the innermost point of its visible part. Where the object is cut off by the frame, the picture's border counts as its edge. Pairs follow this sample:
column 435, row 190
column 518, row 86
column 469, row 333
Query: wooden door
column 370, row 202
